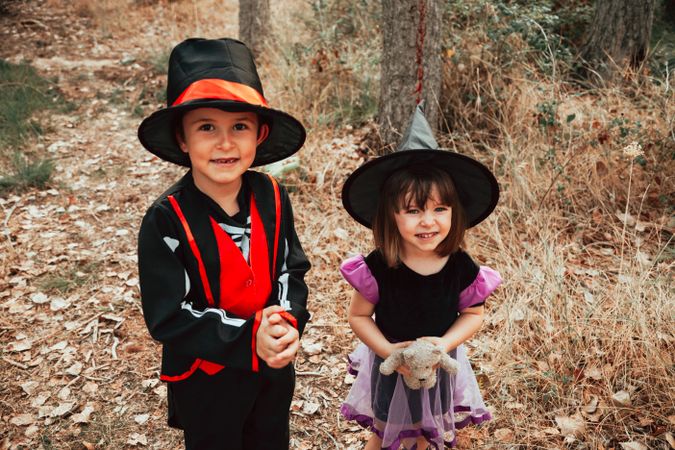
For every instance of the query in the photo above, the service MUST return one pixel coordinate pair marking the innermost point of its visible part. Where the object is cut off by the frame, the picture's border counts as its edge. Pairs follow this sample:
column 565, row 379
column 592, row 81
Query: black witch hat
column 217, row 73
column 476, row 186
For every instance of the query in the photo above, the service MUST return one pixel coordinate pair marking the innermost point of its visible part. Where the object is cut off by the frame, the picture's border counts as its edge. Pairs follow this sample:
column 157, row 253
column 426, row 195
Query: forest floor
column 77, row 367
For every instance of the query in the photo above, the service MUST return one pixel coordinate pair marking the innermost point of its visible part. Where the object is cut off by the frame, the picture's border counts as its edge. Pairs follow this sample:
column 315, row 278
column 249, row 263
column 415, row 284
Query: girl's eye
column 412, row 211
column 441, row 208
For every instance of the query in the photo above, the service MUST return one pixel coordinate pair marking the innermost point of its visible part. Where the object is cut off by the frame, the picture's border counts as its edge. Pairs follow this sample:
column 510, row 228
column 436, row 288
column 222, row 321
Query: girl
column 418, row 283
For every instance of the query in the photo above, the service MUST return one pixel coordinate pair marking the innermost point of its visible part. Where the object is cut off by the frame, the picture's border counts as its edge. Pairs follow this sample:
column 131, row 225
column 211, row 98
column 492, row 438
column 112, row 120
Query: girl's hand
column 394, row 346
column 438, row 342
column 402, row 369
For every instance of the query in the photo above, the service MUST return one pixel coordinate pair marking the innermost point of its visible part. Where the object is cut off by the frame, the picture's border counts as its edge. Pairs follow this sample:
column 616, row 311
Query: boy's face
column 221, row 146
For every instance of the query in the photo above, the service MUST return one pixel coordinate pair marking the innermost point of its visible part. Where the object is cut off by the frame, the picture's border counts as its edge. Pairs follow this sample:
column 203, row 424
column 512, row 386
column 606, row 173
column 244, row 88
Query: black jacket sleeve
column 292, row 290
column 168, row 298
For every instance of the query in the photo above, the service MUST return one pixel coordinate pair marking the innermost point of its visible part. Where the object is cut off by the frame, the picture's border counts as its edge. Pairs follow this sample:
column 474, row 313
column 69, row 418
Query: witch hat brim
column 476, row 186
column 286, row 135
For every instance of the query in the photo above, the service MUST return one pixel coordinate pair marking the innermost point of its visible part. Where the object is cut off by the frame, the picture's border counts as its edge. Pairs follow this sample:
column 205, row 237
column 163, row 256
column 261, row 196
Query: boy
column 221, row 268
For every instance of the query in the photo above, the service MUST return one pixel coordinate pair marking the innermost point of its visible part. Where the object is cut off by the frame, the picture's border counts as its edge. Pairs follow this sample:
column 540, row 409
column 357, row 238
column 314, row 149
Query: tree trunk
column 619, row 34
column 254, row 24
column 411, row 65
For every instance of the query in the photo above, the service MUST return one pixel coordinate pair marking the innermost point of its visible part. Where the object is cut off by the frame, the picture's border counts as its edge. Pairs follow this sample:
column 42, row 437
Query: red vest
column 244, row 288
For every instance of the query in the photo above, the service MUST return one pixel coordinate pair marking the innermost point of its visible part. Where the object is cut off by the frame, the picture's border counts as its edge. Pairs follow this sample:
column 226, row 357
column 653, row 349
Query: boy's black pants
column 233, row 409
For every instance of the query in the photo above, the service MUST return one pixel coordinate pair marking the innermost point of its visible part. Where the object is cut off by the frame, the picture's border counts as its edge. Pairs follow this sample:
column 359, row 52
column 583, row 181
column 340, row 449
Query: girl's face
column 423, row 227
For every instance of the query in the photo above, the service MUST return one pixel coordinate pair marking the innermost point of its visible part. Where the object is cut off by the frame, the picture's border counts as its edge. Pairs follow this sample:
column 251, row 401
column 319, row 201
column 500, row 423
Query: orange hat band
column 214, row 88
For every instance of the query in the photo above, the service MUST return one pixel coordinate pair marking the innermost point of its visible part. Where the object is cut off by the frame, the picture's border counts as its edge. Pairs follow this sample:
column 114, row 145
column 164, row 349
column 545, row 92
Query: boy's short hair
column 414, row 185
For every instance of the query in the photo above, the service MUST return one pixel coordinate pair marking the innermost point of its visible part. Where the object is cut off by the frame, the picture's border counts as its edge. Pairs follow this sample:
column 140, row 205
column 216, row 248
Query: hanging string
column 421, row 34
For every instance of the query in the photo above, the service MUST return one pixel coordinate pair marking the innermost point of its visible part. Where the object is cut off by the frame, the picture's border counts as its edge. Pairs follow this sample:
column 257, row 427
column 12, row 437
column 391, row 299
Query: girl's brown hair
column 413, row 186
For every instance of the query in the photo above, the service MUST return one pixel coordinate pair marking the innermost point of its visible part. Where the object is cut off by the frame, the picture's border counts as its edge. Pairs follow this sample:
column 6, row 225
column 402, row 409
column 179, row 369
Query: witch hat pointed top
column 477, row 187
column 419, row 134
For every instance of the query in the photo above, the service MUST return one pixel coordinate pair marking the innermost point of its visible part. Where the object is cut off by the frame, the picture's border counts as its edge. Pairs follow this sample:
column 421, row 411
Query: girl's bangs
column 415, row 191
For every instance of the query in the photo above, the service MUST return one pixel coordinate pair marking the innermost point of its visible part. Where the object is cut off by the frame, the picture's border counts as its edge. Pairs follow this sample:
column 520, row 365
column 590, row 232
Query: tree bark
column 411, row 65
column 619, row 35
column 254, row 24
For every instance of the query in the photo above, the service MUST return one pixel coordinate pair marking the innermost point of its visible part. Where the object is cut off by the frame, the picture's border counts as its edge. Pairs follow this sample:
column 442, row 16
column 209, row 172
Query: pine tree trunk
column 411, row 65
column 254, row 24
column 619, row 34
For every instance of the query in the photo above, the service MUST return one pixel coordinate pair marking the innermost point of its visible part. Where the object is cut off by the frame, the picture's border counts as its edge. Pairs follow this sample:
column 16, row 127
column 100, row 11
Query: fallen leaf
column 311, row 348
column 39, row 298
column 75, row 369
column 141, row 418
column 670, row 439
column 621, row 398
column 633, row 446
column 62, row 409
column 136, row 439
column 571, row 425
column 310, row 408
column 29, row 387
column 83, row 416
column 504, row 435
column 22, row 420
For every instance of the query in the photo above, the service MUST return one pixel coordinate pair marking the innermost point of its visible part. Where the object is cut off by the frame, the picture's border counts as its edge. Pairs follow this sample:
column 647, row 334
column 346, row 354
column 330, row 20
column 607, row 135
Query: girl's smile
column 422, row 229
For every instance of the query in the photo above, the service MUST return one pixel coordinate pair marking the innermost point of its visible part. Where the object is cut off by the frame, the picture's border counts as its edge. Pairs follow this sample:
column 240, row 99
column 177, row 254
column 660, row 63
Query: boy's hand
column 277, row 342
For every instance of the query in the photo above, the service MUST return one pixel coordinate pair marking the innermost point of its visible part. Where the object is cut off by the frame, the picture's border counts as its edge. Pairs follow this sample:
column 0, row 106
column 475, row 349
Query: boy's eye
column 240, row 126
column 206, row 127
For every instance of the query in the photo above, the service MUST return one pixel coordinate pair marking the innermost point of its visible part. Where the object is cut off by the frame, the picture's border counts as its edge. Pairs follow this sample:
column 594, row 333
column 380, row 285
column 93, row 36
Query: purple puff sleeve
column 484, row 284
column 357, row 273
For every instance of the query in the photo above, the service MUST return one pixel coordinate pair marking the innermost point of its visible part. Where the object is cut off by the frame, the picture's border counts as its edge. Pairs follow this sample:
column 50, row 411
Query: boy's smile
column 221, row 146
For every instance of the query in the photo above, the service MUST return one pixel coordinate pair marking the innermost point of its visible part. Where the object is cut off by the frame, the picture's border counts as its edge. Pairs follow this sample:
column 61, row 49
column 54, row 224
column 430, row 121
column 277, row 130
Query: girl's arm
column 360, row 317
column 466, row 325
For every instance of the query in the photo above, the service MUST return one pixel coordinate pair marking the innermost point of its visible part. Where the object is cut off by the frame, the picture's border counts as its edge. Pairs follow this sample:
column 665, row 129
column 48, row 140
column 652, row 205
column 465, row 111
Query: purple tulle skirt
column 397, row 414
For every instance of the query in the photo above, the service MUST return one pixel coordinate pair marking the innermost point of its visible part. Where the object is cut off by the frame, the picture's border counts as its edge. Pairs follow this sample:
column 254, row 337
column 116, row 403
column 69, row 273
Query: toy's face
column 422, row 367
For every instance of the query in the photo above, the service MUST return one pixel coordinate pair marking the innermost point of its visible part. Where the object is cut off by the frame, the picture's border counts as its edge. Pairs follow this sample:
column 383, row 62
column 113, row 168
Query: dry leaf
column 633, row 446
column 504, row 435
column 62, row 409
column 621, row 398
column 29, row 387
column 670, row 439
column 22, row 420
column 571, row 425
column 141, row 418
column 311, row 348
column 39, row 298
column 593, row 373
column 83, row 416
column 136, row 439
column 75, row 369
column 310, row 408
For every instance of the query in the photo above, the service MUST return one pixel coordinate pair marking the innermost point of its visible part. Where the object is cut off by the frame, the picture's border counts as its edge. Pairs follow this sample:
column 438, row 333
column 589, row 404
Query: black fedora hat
column 476, row 186
column 217, row 73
